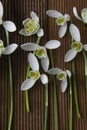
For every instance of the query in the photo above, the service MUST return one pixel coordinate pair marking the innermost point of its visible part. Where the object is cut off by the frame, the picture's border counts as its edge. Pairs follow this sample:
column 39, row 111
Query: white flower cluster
column 31, row 27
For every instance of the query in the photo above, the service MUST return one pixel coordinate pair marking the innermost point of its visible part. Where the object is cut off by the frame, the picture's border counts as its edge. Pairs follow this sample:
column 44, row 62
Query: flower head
column 34, row 74
column 76, row 46
column 83, row 17
column 8, row 25
column 61, row 20
column 31, row 26
column 62, row 76
column 41, row 51
column 8, row 49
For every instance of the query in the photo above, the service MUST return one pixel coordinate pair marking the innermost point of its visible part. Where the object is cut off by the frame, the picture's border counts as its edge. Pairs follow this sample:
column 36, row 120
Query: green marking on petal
column 60, row 21
column 31, row 26
column 41, row 53
column 34, row 74
column 1, row 47
column 62, row 76
column 77, row 46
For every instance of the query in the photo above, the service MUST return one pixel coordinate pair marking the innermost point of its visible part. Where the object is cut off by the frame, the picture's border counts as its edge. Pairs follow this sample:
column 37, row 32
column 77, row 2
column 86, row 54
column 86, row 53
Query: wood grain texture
column 17, row 11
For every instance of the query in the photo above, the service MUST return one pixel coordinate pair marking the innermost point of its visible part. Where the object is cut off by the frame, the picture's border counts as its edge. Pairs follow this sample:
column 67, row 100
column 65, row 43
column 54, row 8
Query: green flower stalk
column 11, row 86
column 75, row 89
column 46, row 108
column 85, row 60
column 55, row 95
column 11, row 83
column 71, row 112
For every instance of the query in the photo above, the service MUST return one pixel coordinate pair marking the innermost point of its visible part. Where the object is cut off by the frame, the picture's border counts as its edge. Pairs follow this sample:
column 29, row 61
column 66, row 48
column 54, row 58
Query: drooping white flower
column 76, row 46
column 83, row 17
column 8, row 49
column 8, row 25
column 62, row 76
column 32, row 26
column 41, row 51
column 61, row 20
column 34, row 74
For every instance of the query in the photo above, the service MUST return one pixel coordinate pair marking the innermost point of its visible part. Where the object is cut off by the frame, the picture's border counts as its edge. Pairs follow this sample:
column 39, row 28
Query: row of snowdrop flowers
column 9, row 26
column 31, row 27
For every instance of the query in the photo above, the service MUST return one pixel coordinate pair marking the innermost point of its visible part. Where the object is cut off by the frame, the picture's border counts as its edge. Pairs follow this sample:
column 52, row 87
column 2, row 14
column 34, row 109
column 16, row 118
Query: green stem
column 70, row 125
column 27, row 74
column 11, row 87
column 85, row 60
column 75, row 89
column 26, row 92
column 55, row 94
column 46, row 108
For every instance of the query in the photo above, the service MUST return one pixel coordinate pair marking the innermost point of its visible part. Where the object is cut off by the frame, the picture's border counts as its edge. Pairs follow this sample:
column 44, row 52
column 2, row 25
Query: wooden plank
column 17, row 11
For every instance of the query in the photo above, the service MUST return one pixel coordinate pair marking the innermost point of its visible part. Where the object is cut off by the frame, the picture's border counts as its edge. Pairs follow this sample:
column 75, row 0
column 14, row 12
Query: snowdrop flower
column 34, row 74
column 41, row 51
column 76, row 46
column 8, row 25
column 62, row 76
column 83, row 17
column 31, row 26
column 8, row 49
column 61, row 20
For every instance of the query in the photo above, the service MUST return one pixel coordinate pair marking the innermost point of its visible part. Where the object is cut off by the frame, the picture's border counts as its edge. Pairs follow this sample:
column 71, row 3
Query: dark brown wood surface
column 17, row 11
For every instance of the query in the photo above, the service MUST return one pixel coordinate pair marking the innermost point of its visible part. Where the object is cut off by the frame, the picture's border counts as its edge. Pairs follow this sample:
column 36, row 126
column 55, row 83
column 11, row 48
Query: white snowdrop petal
column 64, row 85
column 70, row 55
column 85, row 47
column 53, row 13
column 44, row 79
column 40, row 33
column 22, row 32
column 75, row 33
column 67, row 17
column 62, row 30
column 69, row 73
column 10, row 49
column 54, row 71
column 76, row 13
column 30, row 47
column 45, row 63
column 9, row 26
column 84, row 15
column 1, row 10
column 34, row 16
column 33, row 62
column 25, row 21
column 52, row 44
column 27, row 84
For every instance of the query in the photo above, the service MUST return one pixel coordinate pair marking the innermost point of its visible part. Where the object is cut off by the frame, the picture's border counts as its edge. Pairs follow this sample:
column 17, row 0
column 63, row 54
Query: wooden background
column 18, row 10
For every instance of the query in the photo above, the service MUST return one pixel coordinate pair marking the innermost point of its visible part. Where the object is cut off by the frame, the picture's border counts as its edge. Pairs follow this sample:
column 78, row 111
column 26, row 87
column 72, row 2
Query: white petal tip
column 9, row 26
column 40, row 33
column 44, row 79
